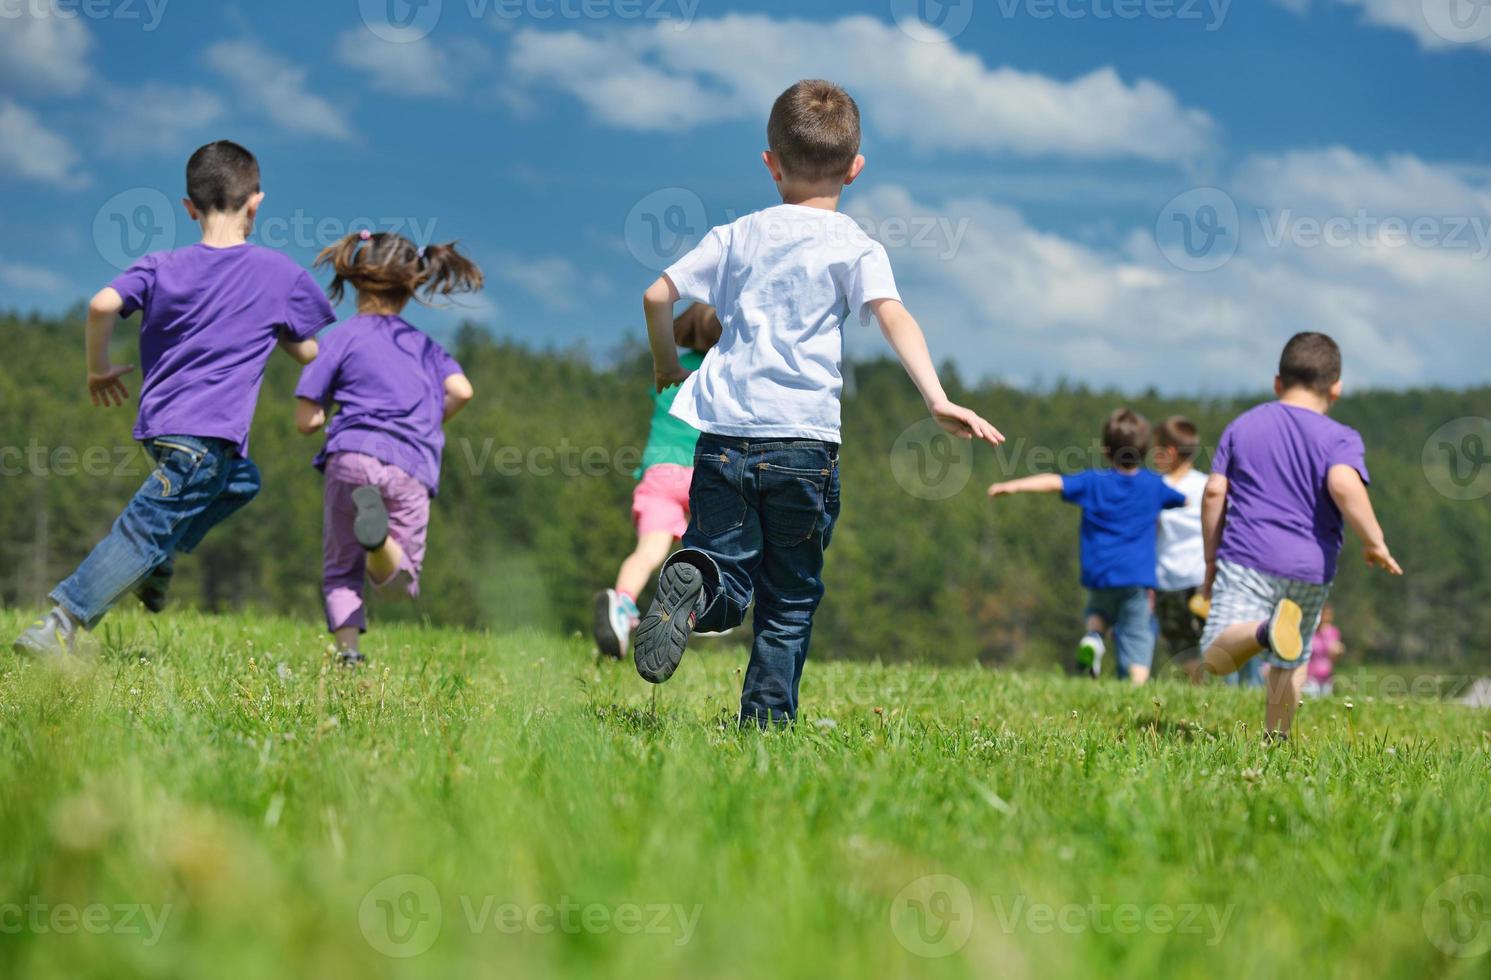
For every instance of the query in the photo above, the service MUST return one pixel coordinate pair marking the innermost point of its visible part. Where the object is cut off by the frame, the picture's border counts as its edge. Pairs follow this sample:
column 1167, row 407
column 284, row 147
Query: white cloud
column 655, row 78
column 43, row 52
column 1436, row 24
column 31, row 278
column 419, row 68
column 554, row 280
column 275, row 87
column 1023, row 303
column 156, row 117
column 33, row 152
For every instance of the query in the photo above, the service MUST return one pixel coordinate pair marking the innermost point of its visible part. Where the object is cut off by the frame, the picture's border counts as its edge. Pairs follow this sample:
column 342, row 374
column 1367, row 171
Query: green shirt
column 671, row 440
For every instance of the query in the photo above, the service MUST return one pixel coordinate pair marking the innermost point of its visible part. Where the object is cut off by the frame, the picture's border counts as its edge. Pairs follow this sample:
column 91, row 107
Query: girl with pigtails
column 394, row 388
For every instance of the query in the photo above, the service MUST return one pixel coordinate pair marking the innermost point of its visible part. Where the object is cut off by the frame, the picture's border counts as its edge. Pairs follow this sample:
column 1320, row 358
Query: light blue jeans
column 1127, row 613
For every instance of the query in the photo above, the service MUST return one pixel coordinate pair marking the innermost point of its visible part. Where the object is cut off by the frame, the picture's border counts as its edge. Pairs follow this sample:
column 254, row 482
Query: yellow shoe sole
column 1284, row 632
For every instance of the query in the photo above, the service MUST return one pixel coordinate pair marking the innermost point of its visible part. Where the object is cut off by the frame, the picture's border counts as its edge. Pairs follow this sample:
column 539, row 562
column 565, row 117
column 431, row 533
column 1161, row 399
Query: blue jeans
column 762, row 514
column 1127, row 613
column 196, row 485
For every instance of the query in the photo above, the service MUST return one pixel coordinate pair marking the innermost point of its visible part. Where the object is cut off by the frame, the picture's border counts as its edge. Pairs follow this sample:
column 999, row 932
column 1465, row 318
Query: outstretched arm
column 1040, row 483
column 658, row 301
column 1213, row 518
column 910, row 344
column 304, row 351
column 458, row 394
column 1350, row 494
column 104, row 386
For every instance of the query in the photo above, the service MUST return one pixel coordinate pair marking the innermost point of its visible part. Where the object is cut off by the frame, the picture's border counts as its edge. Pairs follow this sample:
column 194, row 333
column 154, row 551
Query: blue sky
column 1127, row 192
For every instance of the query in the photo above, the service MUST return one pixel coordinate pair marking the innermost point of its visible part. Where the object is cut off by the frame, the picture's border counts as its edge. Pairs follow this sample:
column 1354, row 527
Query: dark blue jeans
column 762, row 514
column 196, row 485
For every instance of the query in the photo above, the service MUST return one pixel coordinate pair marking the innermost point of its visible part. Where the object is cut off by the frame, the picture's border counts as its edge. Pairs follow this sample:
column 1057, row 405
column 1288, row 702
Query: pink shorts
column 661, row 501
column 345, row 568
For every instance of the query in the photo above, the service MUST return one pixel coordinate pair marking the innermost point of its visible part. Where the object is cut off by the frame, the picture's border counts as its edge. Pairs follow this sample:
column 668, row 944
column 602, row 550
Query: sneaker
column 615, row 618
column 664, row 632
column 371, row 525
column 153, row 592
column 350, row 658
column 54, row 635
column 1090, row 655
column 1284, row 637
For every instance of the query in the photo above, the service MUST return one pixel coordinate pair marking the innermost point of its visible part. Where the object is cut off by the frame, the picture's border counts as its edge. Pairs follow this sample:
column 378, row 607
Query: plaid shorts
column 1245, row 595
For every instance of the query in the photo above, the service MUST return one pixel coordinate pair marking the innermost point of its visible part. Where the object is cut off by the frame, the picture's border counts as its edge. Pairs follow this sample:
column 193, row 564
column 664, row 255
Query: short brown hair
column 1311, row 361
column 698, row 328
column 221, row 177
column 1180, row 434
column 814, row 131
column 1126, row 438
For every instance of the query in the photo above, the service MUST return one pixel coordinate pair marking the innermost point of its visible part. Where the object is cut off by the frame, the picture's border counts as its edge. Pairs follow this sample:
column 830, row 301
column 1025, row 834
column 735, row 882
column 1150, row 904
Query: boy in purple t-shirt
column 394, row 389
column 1285, row 478
column 212, row 314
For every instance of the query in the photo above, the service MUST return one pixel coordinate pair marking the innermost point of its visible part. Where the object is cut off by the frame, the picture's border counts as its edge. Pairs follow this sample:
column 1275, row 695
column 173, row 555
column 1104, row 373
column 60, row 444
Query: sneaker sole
column 1283, row 631
column 605, row 631
column 664, row 632
column 371, row 526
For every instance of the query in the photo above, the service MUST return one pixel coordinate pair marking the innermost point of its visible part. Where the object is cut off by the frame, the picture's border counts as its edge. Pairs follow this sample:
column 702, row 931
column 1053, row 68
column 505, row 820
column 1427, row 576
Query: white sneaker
column 1090, row 655
column 616, row 617
column 53, row 636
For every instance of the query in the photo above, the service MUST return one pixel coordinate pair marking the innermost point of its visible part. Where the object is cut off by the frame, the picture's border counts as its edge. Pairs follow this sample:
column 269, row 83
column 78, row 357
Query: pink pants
column 345, row 568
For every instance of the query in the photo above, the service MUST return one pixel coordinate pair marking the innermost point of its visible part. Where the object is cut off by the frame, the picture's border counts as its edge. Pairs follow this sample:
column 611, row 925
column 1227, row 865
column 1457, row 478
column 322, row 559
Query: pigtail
column 446, row 271
column 340, row 258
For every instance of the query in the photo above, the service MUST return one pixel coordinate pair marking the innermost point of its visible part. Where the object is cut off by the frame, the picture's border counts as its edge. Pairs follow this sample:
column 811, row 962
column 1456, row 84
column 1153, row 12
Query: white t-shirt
column 1181, row 547
column 784, row 281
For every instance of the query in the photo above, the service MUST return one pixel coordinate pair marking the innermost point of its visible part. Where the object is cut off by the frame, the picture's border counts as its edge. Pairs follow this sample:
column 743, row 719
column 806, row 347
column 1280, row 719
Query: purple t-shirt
column 1281, row 519
column 212, row 317
column 388, row 379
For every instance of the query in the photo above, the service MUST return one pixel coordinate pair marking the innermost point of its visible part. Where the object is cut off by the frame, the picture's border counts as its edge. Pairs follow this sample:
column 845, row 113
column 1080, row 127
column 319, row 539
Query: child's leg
column 1284, row 689
column 402, row 556
column 344, row 562
column 1241, row 599
column 189, row 477
column 242, row 486
column 1134, row 636
column 1233, row 647
column 643, row 563
column 798, row 488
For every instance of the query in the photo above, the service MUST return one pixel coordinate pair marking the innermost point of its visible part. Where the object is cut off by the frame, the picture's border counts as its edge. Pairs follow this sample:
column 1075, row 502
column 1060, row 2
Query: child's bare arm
column 458, row 394
column 104, row 386
column 910, row 344
column 309, row 416
column 1041, row 483
column 658, row 301
column 1350, row 495
column 1213, row 518
column 304, row 351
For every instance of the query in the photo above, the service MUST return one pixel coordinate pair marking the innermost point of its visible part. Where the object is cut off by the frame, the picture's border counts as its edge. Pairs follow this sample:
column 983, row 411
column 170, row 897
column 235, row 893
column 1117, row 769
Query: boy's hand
column 1378, row 556
column 105, row 388
column 1002, row 490
column 666, row 378
column 965, row 423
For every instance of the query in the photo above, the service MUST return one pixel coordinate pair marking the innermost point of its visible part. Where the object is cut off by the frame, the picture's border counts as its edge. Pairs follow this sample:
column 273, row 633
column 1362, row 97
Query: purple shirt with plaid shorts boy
column 1282, row 534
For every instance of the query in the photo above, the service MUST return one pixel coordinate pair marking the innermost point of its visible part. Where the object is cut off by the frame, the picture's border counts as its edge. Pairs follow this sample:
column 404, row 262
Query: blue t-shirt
column 1120, row 513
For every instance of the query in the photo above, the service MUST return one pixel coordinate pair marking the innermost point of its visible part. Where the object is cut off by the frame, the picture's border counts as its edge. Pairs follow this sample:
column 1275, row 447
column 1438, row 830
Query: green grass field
column 211, row 798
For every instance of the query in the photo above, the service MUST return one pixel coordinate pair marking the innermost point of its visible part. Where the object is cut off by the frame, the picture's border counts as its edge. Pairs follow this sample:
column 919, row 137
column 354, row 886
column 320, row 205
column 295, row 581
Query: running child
column 765, row 495
column 1325, row 649
column 660, row 504
column 394, row 389
column 1284, row 480
column 1182, row 555
column 1120, row 506
column 212, row 314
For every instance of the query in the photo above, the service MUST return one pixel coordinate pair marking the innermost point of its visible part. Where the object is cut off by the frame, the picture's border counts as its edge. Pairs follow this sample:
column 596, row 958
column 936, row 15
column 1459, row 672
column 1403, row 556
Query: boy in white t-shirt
column 765, row 495
column 1182, row 550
